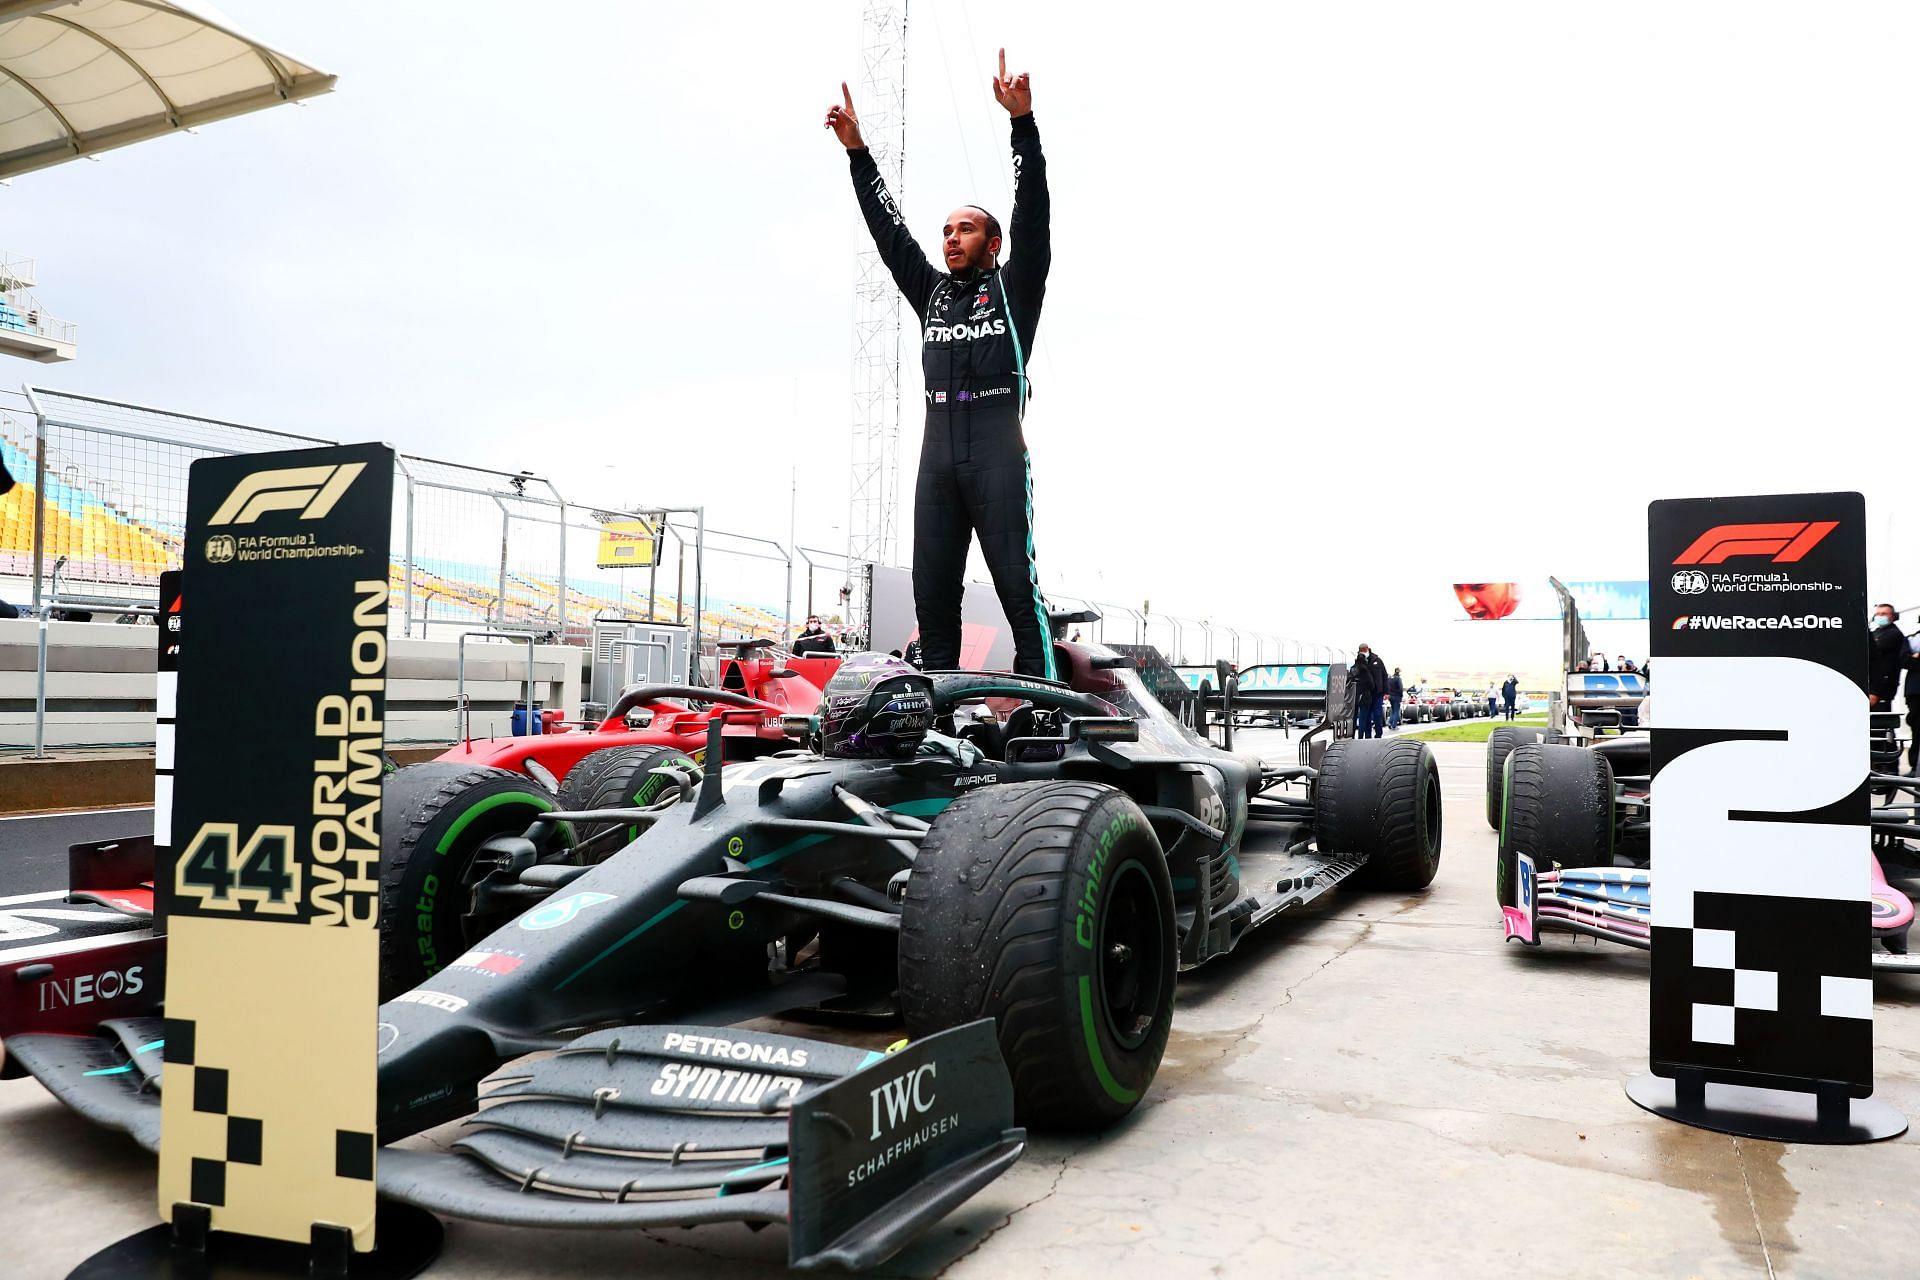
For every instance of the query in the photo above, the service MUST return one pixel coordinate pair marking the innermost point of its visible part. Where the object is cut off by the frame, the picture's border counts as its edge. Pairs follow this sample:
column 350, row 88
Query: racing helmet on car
column 875, row 705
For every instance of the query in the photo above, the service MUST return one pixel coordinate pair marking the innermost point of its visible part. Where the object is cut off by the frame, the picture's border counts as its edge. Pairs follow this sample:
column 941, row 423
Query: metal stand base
column 186, row 1250
column 1776, row 1115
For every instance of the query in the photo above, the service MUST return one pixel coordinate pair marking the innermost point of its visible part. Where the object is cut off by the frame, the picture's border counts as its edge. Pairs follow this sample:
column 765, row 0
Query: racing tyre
column 1047, row 907
column 1559, row 806
column 1381, row 797
column 1500, row 744
column 618, row 778
column 435, row 818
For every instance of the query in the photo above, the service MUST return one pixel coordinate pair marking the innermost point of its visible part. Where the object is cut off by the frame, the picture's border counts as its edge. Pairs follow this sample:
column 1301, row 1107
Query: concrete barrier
column 100, row 684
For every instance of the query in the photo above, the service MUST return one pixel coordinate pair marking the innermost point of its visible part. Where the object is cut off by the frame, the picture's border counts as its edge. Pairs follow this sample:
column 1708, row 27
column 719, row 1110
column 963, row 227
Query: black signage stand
column 286, row 566
column 1761, row 1000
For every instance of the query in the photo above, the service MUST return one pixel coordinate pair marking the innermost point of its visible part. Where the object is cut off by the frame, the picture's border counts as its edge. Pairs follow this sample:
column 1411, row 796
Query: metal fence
column 101, row 511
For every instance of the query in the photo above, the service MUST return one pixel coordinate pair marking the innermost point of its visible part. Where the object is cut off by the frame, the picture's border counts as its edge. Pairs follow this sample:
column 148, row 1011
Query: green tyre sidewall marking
column 1091, row 1017
column 448, row 840
column 1089, row 1028
column 467, row 819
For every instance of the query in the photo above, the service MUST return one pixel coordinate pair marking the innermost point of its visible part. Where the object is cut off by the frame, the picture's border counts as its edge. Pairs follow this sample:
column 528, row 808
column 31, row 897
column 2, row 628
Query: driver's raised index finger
column 1003, row 64
column 847, row 94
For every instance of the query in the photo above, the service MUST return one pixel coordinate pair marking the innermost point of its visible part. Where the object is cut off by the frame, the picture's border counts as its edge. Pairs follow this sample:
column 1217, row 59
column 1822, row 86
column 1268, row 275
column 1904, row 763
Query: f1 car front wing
column 658, row 1126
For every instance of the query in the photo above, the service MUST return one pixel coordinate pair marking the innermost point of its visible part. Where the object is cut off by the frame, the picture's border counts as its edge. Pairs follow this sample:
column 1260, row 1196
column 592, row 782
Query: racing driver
column 977, row 320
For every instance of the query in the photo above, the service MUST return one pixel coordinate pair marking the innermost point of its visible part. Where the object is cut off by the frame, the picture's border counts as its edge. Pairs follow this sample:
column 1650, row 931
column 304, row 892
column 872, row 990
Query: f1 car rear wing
column 1225, row 697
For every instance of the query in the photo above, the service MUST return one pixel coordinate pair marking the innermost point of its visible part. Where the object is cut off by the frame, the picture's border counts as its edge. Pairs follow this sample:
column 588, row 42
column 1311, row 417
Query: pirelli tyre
column 1046, row 906
column 1381, row 797
column 1559, row 807
column 1500, row 744
column 619, row 778
column 434, row 818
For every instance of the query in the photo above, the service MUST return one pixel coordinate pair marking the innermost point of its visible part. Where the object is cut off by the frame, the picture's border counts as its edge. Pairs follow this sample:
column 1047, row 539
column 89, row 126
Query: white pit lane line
column 75, row 813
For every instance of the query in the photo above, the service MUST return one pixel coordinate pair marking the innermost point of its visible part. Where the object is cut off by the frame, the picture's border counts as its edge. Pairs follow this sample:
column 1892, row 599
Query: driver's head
column 970, row 242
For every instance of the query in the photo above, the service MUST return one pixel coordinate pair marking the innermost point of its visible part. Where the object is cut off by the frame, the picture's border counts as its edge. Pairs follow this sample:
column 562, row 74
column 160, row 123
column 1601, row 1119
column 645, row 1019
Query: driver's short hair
column 993, row 223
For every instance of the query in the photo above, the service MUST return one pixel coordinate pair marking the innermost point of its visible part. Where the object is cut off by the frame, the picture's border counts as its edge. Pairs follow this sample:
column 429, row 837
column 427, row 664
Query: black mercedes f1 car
column 1023, row 893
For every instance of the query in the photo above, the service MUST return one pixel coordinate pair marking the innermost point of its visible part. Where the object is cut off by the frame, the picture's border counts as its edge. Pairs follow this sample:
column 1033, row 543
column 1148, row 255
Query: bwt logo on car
column 902, row 1096
column 310, row 490
column 1786, row 542
column 85, row 988
column 1781, row 622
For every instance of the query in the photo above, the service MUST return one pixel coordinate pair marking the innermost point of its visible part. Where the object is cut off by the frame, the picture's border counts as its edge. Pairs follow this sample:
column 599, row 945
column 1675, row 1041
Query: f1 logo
column 1786, row 542
column 310, row 490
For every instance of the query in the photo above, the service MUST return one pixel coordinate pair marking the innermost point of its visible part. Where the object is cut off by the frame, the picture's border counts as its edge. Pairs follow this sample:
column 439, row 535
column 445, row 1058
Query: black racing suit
column 976, row 333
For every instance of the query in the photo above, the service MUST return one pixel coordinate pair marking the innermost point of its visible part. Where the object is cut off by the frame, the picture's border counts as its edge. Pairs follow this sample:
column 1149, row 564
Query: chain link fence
column 100, row 511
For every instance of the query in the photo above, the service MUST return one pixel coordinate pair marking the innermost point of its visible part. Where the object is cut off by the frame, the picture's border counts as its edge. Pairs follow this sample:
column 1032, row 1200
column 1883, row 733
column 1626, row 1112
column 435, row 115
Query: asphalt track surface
column 1376, row 1085
column 33, row 850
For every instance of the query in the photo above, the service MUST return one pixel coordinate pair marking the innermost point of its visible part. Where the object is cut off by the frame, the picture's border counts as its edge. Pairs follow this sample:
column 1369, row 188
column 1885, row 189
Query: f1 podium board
column 269, row 882
column 1761, row 1001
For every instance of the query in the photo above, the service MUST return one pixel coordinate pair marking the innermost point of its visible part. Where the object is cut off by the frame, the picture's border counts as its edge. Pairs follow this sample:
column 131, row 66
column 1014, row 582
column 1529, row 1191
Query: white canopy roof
column 78, row 77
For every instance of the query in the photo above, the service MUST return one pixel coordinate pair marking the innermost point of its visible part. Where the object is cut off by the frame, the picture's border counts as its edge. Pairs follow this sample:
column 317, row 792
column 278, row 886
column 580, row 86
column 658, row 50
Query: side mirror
column 1103, row 729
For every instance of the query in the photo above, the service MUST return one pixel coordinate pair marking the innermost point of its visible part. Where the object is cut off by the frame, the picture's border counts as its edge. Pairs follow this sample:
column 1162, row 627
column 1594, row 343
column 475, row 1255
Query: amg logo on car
column 902, row 1096
column 85, row 988
column 1738, row 622
column 1787, row 541
column 976, row 779
column 310, row 490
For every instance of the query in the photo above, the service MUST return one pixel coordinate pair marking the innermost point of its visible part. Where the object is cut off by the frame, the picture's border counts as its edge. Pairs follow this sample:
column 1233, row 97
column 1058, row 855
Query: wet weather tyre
column 1381, row 797
column 1047, row 907
column 619, row 778
column 1559, row 806
column 1500, row 744
column 434, row 818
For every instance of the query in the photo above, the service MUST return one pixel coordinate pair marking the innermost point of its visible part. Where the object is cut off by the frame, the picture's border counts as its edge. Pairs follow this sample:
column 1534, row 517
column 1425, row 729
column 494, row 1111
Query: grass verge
column 1473, row 730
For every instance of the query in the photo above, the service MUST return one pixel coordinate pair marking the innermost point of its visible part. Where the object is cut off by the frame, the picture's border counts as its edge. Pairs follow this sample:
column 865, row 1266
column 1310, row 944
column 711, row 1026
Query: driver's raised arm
column 1031, row 253
column 911, row 271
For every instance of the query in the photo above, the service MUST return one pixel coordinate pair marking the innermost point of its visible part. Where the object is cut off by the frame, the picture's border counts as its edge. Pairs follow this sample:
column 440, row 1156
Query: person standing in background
column 813, row 640
column 1369, row 678
column 1396, row 690
column 1913, row 703
column 1887, row 655
column 1510, row 693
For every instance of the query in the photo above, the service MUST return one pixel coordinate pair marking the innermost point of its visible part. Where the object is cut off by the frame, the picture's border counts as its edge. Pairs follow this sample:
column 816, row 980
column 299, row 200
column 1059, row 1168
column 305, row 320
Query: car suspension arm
column 1165, row 813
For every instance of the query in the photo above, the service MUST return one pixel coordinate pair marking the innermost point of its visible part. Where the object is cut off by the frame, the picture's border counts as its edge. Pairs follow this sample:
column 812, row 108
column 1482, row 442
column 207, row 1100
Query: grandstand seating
column 111, row 550
column 102, row 544
column 11, row 318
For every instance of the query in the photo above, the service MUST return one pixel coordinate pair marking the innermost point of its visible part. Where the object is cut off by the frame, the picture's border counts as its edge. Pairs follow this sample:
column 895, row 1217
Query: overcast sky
column 1348, row 302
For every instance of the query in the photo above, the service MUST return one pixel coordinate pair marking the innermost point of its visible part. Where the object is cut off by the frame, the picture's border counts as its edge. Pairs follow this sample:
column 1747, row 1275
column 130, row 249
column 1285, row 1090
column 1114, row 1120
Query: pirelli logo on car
column 312, row 491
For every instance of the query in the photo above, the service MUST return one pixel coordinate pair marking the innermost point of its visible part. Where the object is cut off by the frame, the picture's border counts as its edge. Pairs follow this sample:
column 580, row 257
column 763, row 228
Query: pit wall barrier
column 101, row 683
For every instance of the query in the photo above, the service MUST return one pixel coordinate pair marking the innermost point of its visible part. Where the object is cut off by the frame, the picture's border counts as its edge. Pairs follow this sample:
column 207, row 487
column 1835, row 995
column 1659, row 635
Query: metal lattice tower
column 873, row 490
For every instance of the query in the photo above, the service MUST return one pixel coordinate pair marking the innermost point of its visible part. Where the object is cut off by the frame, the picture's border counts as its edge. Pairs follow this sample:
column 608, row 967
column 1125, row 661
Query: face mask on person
column 1882, row 620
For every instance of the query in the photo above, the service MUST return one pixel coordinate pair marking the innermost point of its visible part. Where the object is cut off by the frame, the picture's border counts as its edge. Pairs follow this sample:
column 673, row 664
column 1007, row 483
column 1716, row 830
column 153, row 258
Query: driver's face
column 964, row 241
column 1485, row 601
